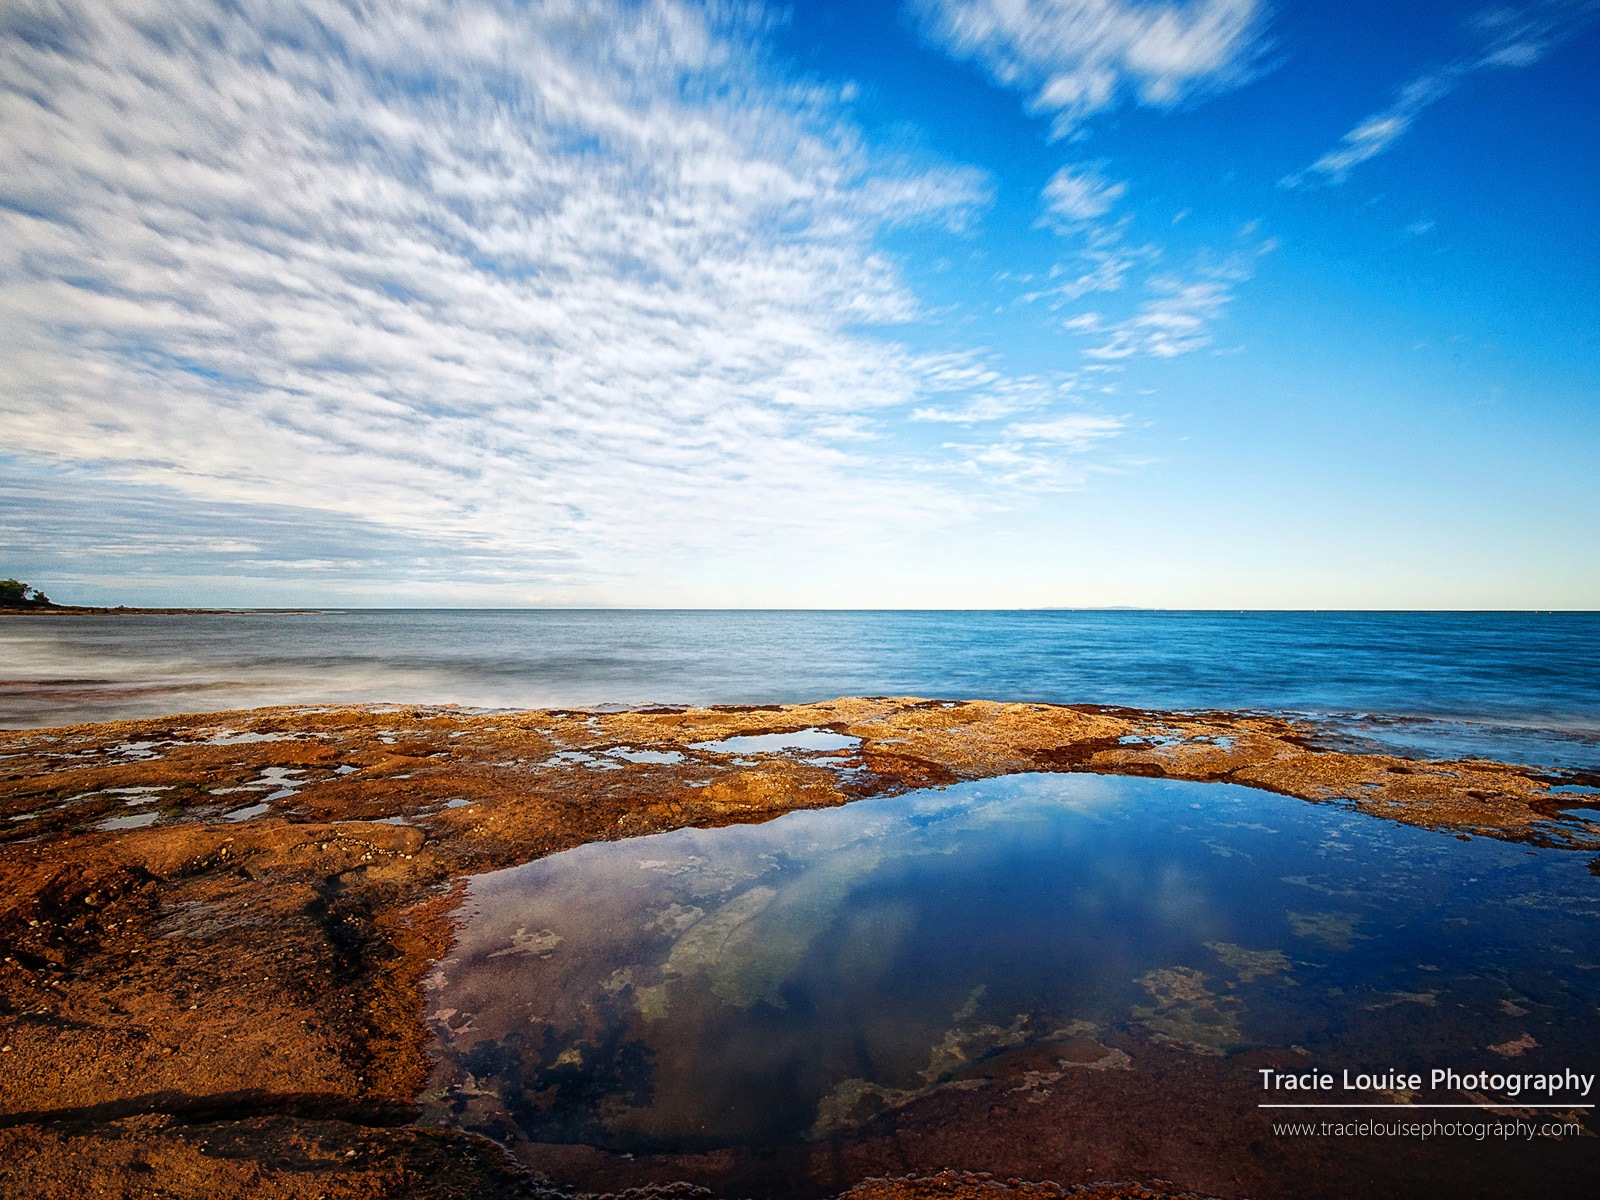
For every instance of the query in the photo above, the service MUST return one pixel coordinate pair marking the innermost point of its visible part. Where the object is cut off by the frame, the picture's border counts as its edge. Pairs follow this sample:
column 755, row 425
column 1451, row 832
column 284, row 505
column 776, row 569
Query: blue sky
column 934, row 303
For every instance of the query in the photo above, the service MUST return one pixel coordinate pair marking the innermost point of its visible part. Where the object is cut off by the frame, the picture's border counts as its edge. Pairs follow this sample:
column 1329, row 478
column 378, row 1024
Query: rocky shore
column 216, row 927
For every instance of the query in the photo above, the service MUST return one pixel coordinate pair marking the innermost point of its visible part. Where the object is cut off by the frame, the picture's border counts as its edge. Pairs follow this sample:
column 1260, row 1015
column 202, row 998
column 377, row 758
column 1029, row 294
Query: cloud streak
column 1175, row 320
column 1506, row 38
column 1179, row 311
column 1075, row 58
column 1044, row 455
column 556, row 283
column 1077, row 194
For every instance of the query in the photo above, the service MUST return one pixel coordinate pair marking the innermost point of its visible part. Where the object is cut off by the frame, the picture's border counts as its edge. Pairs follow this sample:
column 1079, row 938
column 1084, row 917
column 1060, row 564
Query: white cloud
column 1175, row 320
column 1094, row 268
column 1043, row 456
column 1506, row 37
column 1078, row 57
column 1078, row 430
column 560, row 288
column 992, row 396
column 1074, row 58
column 1177, row 316
column 1079, row 193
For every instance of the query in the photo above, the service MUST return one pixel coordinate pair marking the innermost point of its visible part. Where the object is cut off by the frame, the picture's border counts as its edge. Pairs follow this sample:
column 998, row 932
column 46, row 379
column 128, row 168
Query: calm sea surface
column 1521, row 686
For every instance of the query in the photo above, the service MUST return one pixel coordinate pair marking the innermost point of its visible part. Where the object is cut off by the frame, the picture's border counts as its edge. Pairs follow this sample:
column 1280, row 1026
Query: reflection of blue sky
column 790, row 880
column 887, row 943
column 904, row 302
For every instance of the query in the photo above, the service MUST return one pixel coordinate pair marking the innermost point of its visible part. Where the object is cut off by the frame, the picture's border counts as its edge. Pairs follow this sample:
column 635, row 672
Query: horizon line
column 321, row 609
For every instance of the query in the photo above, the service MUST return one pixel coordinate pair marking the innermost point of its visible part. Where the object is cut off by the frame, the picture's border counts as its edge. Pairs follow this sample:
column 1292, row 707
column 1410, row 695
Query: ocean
column 1523, row 687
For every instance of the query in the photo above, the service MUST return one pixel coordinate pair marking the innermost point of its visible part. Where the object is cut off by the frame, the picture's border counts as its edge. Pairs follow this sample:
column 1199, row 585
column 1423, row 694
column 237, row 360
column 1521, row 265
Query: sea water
column 1518, row 686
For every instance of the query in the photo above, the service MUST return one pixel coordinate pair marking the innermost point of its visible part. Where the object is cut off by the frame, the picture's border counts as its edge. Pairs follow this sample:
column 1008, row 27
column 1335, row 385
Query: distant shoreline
column 85, row 610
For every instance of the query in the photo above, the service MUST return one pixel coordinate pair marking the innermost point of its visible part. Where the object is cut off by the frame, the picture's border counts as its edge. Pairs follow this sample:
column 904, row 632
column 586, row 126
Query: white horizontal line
column 1556, row 1106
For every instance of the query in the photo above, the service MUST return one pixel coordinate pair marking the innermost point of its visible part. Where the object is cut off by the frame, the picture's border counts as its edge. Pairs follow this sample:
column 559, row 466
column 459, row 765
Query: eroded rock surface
column 216, row 926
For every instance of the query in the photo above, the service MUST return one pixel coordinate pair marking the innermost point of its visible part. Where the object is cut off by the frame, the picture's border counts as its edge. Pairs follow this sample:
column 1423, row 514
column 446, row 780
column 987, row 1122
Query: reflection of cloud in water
column 756, row 983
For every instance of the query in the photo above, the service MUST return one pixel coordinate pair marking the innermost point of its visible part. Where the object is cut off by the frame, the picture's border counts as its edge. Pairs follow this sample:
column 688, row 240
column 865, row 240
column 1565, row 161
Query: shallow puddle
column 131, row 821
column 773, row 984
column 773, row 743
column 661, row 757
column 245, row 814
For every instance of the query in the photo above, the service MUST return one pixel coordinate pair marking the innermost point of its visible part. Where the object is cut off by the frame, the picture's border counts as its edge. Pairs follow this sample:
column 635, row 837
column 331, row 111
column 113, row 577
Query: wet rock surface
column 225, row 999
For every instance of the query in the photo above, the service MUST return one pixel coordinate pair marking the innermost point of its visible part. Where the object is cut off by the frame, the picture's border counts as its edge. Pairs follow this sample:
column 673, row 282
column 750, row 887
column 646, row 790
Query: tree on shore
column 14, row 591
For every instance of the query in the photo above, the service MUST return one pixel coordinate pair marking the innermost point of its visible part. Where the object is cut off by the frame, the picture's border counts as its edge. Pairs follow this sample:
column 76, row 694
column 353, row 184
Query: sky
column 920, row 303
